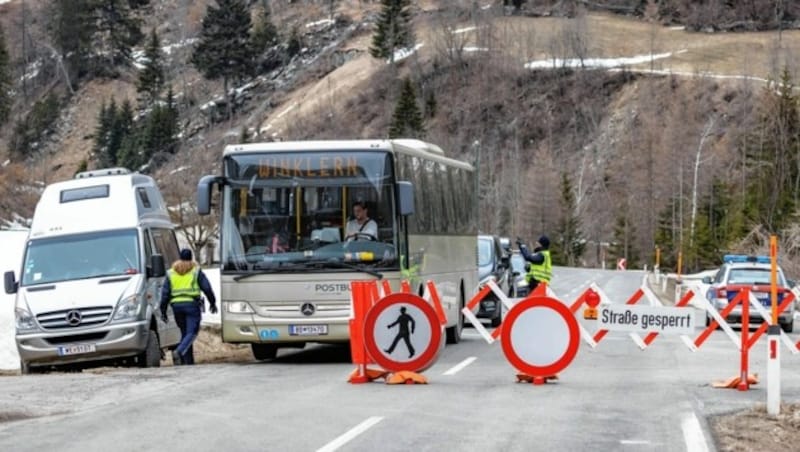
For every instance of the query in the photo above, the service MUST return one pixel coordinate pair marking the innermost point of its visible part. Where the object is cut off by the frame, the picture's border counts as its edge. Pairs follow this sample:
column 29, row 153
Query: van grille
column 66, row 318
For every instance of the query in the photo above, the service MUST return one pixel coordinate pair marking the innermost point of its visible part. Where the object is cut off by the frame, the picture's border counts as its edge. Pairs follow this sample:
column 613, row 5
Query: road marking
column 350, row 434
column 634, row 442
column 693, row 434
column 453, row 370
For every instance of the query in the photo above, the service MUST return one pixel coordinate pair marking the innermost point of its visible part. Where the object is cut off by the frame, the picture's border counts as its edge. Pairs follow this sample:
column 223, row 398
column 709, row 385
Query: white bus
column 286, row 266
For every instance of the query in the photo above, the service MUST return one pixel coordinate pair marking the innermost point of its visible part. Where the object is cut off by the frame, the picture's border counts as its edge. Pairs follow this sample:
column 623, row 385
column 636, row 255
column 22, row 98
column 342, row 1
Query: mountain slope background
column 649, row 148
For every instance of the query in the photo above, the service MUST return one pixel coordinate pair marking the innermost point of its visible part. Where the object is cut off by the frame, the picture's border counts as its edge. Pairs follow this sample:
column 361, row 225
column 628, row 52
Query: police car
column 740, row 271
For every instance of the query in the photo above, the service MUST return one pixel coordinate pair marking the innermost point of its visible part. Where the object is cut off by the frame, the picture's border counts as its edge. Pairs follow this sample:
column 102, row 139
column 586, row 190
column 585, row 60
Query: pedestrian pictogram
column 402, row 332
column 406, row 326
column 540, row 338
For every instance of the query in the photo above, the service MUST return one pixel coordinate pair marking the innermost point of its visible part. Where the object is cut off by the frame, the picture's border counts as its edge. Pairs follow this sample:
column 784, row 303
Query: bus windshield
column 284, row 211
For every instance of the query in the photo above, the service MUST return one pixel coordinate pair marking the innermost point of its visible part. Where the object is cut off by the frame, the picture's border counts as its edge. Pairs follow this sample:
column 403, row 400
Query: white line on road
column 693, row 434
column 453, row 370
column 350, row 434
column 634, row 442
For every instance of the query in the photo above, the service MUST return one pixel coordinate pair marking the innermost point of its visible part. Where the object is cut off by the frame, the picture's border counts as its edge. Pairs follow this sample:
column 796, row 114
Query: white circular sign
column 540, row 336
column 402, row 332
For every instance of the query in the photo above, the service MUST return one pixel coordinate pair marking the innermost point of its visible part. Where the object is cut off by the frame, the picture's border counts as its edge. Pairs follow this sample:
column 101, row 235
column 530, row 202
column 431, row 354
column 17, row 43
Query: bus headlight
column 24, row 320
column 127, row 308
column 239, row 307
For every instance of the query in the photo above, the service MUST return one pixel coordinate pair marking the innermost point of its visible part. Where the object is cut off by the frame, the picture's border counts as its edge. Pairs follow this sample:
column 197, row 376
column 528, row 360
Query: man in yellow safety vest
column 182, row 288
column 541, row 265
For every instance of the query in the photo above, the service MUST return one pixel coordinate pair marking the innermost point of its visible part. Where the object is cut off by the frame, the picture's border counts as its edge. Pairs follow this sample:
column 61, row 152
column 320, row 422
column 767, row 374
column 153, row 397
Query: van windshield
column 81, row 256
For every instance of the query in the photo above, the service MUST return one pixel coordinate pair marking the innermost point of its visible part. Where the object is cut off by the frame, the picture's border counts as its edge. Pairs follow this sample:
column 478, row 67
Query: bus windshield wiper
column 279, row 267
column 340, row 264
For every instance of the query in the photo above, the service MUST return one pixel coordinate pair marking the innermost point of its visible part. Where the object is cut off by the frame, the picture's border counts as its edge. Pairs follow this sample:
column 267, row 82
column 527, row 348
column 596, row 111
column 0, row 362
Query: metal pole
column 773, row 334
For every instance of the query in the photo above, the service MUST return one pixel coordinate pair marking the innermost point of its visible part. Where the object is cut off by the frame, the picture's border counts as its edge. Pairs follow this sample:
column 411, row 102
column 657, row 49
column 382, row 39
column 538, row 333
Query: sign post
column 773, row 334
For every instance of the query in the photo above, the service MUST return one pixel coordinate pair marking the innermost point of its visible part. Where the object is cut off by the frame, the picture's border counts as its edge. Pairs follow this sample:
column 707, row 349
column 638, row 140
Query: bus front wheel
column 264, row 351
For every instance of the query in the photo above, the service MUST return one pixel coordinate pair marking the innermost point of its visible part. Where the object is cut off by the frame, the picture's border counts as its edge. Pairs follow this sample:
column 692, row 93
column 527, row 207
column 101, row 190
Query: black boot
column 176, row 358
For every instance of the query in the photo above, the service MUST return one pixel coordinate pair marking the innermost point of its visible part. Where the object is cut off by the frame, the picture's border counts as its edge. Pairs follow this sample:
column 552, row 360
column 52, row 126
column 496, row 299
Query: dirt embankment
column 754, row 429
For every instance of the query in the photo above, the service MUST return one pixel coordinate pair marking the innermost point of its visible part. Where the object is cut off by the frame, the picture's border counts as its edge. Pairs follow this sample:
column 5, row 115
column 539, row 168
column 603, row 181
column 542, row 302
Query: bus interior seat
column 327, row 235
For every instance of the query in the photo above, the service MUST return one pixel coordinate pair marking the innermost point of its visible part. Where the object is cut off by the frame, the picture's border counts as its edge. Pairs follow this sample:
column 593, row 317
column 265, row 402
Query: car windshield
column 484, row 252
column 518, row 263
column 81, row 256
column 752, row 276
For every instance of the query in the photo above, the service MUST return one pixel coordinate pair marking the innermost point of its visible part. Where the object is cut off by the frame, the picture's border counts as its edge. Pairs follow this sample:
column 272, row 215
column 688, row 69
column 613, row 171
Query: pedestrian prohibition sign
column 402, row 332
column 540, row 336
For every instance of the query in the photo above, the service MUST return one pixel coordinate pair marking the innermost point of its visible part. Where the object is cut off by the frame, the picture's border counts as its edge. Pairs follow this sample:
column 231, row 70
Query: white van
column 91, row 276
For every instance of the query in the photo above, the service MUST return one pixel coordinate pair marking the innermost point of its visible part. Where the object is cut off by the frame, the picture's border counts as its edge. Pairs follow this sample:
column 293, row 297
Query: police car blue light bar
column 739, row 258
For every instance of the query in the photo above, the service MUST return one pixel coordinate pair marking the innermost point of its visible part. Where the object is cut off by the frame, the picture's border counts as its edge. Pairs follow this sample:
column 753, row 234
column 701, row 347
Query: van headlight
column 239, row 307
column 127, row 308
column 24, row 320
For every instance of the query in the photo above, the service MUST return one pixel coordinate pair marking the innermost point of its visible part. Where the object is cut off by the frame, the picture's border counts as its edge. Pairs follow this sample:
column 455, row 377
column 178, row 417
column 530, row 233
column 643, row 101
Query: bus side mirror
column 157, row 269
column 405, row 191
column 10, row 282
column 204, row 194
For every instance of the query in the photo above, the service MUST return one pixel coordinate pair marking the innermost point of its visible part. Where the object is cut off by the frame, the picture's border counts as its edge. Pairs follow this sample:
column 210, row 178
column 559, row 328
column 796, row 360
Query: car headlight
column 127, row 308
column 522, row 283
column 239, row 307
column 24, row 320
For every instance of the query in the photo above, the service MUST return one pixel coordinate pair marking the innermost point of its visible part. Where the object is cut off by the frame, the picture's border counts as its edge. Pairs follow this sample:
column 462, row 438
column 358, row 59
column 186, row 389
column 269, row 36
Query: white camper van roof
column 99, row 200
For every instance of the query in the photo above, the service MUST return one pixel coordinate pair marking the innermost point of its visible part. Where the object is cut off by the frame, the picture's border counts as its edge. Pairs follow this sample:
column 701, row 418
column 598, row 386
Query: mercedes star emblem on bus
column 307, row 309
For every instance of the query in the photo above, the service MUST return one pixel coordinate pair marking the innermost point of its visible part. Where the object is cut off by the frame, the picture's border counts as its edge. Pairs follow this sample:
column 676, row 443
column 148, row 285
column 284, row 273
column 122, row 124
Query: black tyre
column 27, row 369
column 264, row 351
column 498, row 318
column 453, row 334
column 151, row 356
column 788, row 326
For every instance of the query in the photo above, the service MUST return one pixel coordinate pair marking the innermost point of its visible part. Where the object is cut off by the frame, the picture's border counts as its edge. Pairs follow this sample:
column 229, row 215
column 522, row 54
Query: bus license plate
column 308, row 330
column 76, row 349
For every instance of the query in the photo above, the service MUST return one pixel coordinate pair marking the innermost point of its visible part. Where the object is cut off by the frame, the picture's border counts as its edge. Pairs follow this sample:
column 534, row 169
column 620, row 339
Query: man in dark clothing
column 541, row 265
column 182, row 288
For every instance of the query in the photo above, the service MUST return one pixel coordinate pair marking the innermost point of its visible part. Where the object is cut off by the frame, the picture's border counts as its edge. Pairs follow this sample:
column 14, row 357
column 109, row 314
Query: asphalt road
column 612, row 397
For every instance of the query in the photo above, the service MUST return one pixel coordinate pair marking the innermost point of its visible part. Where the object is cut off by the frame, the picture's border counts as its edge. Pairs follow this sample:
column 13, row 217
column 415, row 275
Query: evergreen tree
column 5, row 79
column 122, row 127
column 407, row 118
column 161, row 129
column 393, row 30
column 622, row 246
column 71, row 26
column 265, row 34
column 151, row 76
column 294, row 44
column 666, row 237
column 224, row 50
column 116, row 32
column 102, row 132
column 570, row 246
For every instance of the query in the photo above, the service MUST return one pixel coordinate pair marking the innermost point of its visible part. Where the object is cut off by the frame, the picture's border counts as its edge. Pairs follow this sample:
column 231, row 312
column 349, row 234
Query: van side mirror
column 707, row 280
column 405, row 194
column 157, row 269
column 204, row 194
column 10, row 282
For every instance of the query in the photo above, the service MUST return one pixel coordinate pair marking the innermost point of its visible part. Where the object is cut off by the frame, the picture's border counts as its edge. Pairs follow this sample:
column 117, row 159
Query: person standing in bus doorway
column 541, row 265
column 405, row 329
column 182, row 288
column 362, row 226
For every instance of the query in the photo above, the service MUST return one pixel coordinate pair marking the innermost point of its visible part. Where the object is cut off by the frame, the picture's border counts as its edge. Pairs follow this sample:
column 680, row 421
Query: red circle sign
column 403, row 332
column 540, row 336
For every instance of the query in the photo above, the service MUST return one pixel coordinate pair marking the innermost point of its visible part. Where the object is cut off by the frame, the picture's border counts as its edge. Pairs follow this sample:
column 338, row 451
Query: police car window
column 749, row 276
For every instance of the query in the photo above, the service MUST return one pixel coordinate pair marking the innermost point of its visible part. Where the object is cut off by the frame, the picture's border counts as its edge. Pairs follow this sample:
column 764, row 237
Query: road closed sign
column 646, row 319
column 403, row 332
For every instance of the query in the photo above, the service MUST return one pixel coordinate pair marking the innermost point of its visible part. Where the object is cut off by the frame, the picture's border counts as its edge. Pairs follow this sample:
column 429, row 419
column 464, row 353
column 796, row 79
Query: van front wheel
column 151, row 356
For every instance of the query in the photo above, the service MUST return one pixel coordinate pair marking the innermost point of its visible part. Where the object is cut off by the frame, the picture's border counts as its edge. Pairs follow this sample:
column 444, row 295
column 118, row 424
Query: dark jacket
column 534, row 258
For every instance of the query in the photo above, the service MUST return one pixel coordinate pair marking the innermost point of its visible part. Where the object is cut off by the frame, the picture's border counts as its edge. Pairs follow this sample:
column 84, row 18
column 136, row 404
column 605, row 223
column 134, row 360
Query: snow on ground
column 597, row 62
column 12, row 243
column 402, row 54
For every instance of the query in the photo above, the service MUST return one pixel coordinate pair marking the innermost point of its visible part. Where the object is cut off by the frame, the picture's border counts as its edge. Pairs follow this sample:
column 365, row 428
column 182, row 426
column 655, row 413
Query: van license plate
column 308, row 330
column 76, row 349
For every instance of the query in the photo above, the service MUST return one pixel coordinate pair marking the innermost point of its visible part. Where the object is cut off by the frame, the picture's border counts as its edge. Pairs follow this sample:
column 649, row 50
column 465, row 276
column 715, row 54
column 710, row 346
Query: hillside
column 534, row 96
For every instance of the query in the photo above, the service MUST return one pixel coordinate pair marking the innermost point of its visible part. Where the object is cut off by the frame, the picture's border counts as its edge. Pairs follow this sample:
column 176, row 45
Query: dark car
column 519, row 283
column 493, row 264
